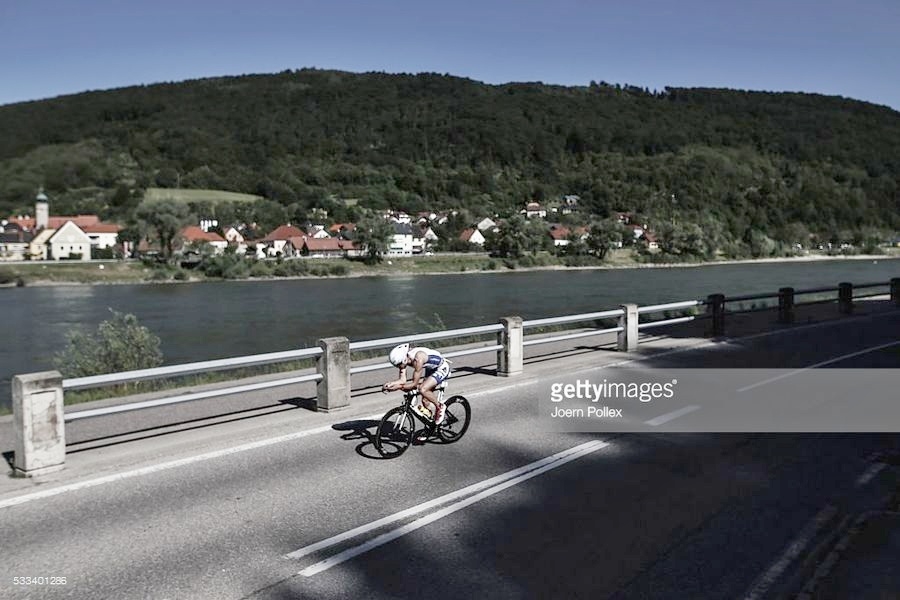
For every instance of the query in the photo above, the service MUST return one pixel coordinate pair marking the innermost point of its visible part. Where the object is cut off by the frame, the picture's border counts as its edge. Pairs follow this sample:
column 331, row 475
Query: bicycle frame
column 411, row 395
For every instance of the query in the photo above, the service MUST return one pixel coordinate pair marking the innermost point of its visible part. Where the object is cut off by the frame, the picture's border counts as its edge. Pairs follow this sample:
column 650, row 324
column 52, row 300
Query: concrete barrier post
column 715, row 307
column 511, row 357
column 786, row 305
column 333, row 390
column 39, row 423
column 895, row 291
column 628, row 337
column 845, row 298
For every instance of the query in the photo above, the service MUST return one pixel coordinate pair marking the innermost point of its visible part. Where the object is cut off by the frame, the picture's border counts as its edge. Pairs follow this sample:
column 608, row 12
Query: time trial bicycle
column 397, row 428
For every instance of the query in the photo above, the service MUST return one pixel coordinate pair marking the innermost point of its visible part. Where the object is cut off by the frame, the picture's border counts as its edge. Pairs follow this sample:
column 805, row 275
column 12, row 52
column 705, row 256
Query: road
column 226, row 512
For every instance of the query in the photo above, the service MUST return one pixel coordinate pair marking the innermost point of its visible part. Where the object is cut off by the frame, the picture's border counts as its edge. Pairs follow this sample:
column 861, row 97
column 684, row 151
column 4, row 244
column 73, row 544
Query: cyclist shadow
column 364, row 429
column 361, row 429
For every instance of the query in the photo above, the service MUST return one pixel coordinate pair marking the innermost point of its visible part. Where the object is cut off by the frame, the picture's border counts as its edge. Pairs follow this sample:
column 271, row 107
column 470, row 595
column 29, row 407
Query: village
column 48, row 237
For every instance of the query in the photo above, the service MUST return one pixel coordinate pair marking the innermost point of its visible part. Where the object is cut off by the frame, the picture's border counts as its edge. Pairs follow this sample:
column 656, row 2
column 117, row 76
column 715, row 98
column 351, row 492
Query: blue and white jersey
column 435, row 366
column 434, row 357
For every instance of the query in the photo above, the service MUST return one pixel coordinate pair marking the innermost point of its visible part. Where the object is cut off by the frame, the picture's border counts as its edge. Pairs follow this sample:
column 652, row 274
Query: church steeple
column 41, row 211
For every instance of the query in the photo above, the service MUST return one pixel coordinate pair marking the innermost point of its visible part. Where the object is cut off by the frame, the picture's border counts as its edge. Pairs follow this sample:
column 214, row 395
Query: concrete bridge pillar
column 333, row 390
column 786, row 305
column 39, row 423
column 715, row 307
column 895, row 291
column 511, row 357
column 845, row 298
column 628, row 337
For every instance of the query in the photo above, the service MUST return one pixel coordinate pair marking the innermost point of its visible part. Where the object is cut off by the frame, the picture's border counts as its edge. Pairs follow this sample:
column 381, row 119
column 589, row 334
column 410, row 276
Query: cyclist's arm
column 418, row 373
column 400, row 382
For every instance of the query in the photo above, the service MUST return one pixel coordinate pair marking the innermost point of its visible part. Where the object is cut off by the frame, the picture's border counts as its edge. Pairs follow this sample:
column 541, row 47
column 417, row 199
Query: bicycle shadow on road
column 361, row 429
column 364, row 429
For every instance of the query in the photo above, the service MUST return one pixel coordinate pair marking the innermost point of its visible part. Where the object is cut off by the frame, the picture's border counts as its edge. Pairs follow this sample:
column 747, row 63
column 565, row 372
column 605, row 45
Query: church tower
column 41, row 211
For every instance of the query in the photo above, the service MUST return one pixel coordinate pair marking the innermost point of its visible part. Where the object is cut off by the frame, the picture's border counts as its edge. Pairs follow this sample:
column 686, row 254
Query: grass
column 190, row 195
column 95, row 271
column 136, row 272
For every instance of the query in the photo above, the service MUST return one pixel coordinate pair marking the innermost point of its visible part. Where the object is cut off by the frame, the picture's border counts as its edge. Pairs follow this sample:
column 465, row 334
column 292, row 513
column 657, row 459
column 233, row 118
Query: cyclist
column 430, row 369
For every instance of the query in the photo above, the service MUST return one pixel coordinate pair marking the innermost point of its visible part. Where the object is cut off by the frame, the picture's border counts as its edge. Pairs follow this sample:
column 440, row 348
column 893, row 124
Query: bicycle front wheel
column 456, row 422
column 395, row 432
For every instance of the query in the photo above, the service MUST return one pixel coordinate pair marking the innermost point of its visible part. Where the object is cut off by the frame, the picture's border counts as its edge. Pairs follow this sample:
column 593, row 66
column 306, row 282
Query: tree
column 511, row 241
column 166, row 217
column 130, row 234
column 606, row 235
column 685, row 239
column 119, row 344
column 373, row 235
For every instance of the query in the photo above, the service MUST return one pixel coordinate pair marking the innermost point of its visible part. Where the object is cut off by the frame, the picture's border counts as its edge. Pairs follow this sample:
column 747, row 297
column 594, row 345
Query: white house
column 401, row 243
column 102, row 235
column 69, row 241
column 533, row 209
column 277, row 240
column 473, row 236
column 318, row 232
column 194, row 235
column 560, row 235
column 429, row 235
column 14, row 243
column 486, row 224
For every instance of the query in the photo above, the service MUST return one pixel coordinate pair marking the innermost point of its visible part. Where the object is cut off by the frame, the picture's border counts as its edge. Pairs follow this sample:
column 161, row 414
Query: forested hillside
column 729, row 161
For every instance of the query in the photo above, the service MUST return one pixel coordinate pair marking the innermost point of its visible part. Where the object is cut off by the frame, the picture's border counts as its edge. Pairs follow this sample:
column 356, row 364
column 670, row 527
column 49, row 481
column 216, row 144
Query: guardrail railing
column 38, row 398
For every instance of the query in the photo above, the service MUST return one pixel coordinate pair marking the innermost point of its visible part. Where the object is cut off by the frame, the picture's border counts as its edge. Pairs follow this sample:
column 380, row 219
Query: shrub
column 260, row 269
column 119, row 344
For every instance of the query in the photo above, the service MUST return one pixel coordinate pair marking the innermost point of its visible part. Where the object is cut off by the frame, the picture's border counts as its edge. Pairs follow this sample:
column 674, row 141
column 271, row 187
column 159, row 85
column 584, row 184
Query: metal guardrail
column 333, row 369
column 223, row 364
column 277, row 357
column 253, row 387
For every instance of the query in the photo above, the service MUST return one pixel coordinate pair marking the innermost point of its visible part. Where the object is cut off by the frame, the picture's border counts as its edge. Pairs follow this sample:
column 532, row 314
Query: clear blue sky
column 837, row 47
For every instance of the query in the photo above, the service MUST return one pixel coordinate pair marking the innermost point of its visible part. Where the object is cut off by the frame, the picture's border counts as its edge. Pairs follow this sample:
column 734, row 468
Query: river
column 200, row 321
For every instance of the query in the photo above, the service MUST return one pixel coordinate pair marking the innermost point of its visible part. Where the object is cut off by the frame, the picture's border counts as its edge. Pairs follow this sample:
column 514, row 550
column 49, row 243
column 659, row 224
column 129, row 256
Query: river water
column 201, row 321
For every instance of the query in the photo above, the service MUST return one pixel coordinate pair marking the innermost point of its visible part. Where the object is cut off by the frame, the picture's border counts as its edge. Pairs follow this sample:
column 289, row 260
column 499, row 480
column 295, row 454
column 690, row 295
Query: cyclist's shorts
column 441, row 373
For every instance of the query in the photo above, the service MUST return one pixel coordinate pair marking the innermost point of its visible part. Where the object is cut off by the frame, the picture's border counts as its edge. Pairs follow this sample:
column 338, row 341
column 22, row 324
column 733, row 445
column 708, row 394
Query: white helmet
column 398, row 354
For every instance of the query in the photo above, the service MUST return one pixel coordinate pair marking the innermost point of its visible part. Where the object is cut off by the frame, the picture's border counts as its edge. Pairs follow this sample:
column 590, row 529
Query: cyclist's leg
column 426, row 388
column 434, row 379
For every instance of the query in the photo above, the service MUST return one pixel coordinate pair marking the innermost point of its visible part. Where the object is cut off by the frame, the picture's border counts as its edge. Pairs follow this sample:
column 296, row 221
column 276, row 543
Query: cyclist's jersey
column 435, row 365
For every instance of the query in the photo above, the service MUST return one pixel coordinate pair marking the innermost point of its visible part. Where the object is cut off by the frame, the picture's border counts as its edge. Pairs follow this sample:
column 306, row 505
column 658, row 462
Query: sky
column 847, row 48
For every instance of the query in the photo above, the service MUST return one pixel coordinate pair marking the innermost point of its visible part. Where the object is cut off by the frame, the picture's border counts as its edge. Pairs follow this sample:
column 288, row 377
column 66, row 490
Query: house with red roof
column 193, row 237
column 275, row 243
column 60, row 237
column 560, row 235
column 325, row 247
column 472, row 236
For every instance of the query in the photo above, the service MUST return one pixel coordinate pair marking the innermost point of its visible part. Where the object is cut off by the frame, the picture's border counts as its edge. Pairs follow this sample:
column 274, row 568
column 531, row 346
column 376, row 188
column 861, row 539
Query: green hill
column 731, row 161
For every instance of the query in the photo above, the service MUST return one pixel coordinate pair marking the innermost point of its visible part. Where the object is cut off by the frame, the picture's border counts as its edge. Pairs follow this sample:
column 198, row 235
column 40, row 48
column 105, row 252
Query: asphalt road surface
column 307, row 509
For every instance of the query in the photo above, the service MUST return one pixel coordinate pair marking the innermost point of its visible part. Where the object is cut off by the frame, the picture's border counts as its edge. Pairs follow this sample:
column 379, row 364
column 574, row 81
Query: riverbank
column 134, row 272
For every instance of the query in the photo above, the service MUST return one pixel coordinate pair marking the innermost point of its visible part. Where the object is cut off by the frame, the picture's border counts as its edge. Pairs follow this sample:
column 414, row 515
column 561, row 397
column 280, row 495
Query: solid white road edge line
column 820, row 364
column 672, row 415
column 80, row 485
column 475, row 487
column 440, row 514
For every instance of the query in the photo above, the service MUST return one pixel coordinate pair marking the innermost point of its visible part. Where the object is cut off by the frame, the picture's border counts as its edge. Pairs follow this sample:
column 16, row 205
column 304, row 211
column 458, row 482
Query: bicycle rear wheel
column 456, row 422
column 395, row 432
